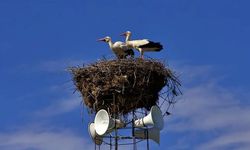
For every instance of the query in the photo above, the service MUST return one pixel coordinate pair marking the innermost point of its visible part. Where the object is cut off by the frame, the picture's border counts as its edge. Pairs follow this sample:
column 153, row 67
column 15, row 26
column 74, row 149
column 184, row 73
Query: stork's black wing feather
column 151, row 44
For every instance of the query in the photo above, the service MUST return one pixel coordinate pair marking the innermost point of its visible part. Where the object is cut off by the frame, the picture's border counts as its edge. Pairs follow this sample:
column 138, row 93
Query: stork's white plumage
column 141, row 45
column 120, row 49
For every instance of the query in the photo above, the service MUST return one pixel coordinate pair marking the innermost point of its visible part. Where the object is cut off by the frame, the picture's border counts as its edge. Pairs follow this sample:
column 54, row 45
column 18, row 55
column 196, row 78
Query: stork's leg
column 142, row 56
column 141, row 53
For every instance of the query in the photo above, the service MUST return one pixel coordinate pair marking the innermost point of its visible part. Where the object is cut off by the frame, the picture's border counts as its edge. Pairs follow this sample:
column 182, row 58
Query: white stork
column 143, row 45
column 120, row 49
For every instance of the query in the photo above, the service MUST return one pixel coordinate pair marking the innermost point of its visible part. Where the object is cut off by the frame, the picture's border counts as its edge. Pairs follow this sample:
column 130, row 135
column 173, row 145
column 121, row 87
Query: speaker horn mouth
column 104, row 124
column 157, row 117
column 154, row 118
column 95, row 137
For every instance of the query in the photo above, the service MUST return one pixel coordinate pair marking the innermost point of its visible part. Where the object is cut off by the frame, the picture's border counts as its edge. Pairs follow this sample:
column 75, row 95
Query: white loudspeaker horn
column 95, row 137
column 153, row 134
column 154, row 118
column 104, row 124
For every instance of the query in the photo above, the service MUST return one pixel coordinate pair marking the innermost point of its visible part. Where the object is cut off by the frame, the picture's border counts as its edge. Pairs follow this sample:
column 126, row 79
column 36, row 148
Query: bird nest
column 121, row 86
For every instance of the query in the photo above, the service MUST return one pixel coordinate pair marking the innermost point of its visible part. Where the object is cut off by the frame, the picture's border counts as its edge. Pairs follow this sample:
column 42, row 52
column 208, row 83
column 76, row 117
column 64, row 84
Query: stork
column 142, row 45
column 120, row 49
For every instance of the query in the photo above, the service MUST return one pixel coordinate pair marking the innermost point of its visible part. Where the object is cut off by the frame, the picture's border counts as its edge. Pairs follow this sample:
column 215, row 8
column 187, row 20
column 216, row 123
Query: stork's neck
column 127, row 38
column 110, row 44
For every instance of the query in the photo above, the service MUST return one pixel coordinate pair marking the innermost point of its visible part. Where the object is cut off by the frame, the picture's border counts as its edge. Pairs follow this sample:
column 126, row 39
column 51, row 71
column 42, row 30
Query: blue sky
column 205, row 42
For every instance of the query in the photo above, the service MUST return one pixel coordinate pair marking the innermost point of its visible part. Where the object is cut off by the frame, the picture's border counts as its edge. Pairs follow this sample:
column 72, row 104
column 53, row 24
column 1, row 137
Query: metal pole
column 116, row 138
column 147, row 133
column 133, row 131
column 110, row 141
column 147, row 140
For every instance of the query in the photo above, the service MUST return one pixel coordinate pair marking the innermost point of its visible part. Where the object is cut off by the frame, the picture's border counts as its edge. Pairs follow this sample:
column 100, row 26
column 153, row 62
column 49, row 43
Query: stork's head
column 106, row 39
column 127, row 33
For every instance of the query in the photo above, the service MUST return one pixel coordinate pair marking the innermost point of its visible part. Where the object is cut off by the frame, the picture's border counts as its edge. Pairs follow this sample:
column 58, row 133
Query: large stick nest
column 129, row 83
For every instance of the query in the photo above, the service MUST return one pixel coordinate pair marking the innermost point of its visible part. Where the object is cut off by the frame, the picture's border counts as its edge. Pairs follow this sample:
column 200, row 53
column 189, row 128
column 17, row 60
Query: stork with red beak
column 143, row 45
column 120, row 49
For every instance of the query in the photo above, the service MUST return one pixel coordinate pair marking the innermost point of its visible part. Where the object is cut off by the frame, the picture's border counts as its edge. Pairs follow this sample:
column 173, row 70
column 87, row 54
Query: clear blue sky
column 206, row 42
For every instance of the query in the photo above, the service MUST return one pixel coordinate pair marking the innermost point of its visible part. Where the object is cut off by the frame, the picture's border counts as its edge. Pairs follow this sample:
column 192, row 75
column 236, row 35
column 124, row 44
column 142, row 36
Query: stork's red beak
column 102, row 39
column 123, row 34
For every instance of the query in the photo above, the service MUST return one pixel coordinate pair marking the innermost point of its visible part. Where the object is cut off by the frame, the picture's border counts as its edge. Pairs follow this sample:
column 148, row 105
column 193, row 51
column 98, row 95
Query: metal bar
column 147, row 140
column 147, row 134
column 116, row 137
column 110, row 140
column 133, row 132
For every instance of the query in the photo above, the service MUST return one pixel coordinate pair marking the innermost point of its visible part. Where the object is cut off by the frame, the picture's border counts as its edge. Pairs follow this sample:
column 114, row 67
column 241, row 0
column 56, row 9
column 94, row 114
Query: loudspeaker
column 95, row 137
column 153, row 134
column 104, row 124
column 154, row 118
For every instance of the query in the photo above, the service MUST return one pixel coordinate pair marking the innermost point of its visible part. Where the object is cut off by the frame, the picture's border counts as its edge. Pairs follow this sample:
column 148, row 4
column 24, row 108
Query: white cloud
column 43, row 140
column 59, row 107
column 212, row 112
column 239, row 139
column 58, row 65
column 208, row 107
column 40, row 138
